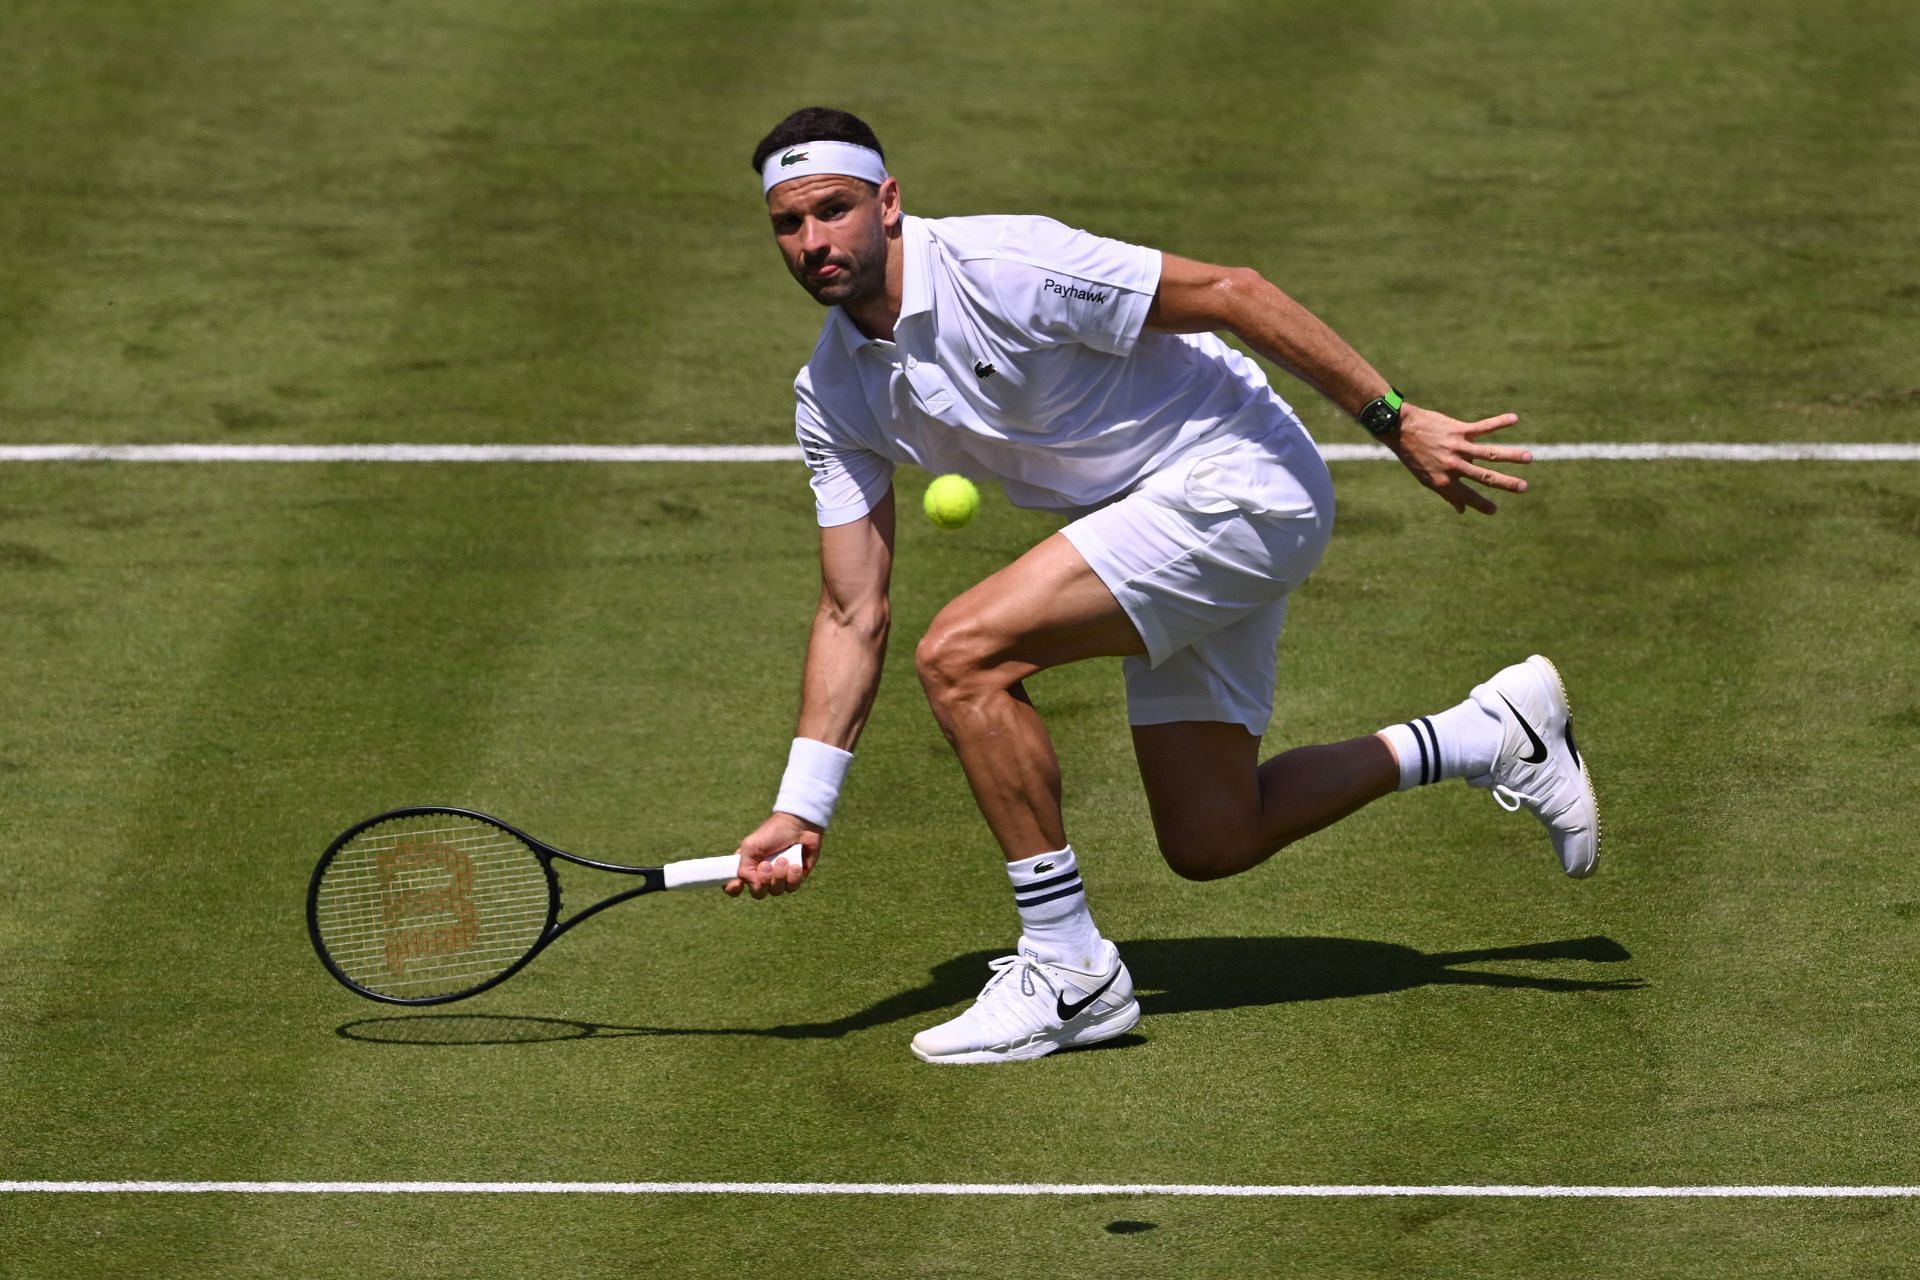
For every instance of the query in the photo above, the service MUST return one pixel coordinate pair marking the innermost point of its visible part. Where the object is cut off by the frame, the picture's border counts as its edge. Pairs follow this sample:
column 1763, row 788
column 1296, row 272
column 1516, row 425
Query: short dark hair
column 816, row 124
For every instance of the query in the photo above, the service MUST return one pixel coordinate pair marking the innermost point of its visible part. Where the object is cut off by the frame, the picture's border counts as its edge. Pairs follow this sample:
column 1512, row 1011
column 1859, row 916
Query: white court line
column 397, row 453
column 1311, row 1190
column 1825, row 451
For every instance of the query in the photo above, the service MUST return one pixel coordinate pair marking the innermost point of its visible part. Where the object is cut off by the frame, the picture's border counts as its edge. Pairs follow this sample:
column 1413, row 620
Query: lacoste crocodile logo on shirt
column 983, row 369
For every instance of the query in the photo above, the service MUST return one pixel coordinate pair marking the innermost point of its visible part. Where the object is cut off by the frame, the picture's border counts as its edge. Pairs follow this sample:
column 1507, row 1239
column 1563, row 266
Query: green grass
column 227, row 221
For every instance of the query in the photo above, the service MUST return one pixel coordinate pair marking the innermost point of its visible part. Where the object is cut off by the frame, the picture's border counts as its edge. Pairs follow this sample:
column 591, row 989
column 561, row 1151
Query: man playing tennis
column 1084, row 375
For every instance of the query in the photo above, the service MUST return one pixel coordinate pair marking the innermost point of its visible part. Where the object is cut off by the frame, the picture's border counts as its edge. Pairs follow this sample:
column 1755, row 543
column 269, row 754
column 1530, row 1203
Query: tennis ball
column 951, row 501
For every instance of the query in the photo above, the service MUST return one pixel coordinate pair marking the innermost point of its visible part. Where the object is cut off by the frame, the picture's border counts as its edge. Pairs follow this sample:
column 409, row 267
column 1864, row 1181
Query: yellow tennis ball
column 951, row 501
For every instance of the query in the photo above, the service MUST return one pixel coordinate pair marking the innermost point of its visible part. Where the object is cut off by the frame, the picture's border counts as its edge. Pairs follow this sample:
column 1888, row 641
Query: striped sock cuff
column 1417, row 747
column 1047, row 890
column 1056, row 924
column 1046, row 878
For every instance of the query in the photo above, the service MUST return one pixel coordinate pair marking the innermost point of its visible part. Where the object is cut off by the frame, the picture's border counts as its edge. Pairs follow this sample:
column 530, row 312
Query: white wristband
column 811, row 786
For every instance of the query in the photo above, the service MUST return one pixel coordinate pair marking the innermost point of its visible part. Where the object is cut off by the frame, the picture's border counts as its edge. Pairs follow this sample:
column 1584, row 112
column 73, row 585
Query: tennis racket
column 429, row 904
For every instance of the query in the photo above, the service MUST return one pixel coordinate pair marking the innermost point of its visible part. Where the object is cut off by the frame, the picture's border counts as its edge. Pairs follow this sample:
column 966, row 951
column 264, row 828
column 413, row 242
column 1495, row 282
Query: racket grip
column 701, row 873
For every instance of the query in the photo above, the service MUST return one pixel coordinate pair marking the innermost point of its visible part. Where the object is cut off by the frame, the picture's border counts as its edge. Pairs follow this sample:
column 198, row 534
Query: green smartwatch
column 1382, row 416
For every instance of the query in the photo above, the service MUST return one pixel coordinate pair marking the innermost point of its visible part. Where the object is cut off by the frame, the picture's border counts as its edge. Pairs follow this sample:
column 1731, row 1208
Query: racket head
column 430, row 903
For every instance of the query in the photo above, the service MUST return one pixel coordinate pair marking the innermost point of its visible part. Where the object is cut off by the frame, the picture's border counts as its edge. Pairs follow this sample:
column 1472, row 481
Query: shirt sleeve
column 848, row 480
column 1059, row 284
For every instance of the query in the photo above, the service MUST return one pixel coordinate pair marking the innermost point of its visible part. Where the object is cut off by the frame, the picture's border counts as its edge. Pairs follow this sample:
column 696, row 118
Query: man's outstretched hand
column 1444, row 454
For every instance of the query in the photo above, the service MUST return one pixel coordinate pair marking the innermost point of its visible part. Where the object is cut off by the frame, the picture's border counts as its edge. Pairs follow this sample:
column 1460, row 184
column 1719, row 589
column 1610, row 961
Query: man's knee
column 951, row 661
column 1210, row 855
column 1198, row 859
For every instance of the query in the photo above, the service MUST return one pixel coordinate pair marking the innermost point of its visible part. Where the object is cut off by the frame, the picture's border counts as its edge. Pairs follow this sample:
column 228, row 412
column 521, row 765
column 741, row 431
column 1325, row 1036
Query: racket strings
column 430, row 904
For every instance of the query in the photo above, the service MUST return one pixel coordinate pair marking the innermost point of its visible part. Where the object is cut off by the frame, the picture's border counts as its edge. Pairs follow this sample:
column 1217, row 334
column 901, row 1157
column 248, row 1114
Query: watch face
column 1380, row 417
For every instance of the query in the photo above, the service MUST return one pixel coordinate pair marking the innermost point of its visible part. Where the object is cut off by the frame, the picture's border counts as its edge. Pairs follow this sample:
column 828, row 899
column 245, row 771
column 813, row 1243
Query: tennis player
column 1084, row 375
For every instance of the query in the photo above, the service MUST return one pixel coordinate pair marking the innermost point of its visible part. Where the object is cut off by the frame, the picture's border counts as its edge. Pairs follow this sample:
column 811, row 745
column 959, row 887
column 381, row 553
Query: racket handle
column 702, row 873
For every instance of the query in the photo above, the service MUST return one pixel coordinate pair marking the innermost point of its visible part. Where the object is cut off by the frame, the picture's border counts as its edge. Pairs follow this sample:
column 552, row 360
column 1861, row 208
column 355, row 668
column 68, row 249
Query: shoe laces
column 1542, row 806
column 1028, row 968
column 1510, row 800
column 999, row 1006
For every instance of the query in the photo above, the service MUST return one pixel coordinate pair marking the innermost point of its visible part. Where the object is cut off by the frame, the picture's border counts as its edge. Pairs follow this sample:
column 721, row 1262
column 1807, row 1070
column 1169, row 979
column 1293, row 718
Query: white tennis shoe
column 1029, row 1008
column 1539, row 768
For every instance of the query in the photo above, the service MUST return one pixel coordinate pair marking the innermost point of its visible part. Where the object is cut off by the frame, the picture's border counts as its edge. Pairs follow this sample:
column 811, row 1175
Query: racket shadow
column 1172, row 975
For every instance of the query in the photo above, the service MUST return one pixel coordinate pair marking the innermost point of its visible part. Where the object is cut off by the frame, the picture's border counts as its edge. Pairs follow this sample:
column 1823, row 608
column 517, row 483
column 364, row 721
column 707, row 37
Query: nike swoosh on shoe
column 1068, row 1012
column 1539, row 754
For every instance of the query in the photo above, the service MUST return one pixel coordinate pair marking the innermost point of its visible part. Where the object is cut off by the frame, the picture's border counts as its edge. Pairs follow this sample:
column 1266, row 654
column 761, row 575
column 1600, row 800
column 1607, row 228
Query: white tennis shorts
column 1202, row 557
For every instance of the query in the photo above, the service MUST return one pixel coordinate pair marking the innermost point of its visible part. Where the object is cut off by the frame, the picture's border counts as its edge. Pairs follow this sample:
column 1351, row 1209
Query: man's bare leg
column 1045, row 609
column 1217, row 811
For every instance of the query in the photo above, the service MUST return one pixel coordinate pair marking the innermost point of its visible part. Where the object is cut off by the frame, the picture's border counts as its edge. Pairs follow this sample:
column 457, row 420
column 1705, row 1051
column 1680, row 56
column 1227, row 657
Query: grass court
column 243, row 222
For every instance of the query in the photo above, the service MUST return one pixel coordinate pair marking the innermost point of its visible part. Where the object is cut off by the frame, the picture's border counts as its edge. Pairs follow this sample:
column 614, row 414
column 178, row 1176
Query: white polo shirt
column 1019, row 356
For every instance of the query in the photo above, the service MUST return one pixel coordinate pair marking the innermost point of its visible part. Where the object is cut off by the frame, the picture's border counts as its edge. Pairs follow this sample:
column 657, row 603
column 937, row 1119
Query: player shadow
column 1171, row 975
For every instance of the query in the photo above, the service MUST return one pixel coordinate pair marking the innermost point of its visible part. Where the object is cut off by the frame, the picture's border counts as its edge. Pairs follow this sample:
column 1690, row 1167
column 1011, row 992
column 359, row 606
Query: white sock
column 1053, row 909
column 1460, row 742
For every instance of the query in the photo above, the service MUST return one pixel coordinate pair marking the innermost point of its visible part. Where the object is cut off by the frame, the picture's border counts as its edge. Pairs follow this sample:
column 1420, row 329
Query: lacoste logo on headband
column 822, row 156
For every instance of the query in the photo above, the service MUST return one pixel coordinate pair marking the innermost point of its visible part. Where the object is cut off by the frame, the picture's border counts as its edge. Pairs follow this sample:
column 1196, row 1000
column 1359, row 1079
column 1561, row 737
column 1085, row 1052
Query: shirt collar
column 916, row 283
column 916, row 267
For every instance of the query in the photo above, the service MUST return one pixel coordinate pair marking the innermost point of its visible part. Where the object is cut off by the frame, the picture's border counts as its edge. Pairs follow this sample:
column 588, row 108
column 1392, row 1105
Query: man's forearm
column 845, row 654
column 1198, row 297
column 1291, row 336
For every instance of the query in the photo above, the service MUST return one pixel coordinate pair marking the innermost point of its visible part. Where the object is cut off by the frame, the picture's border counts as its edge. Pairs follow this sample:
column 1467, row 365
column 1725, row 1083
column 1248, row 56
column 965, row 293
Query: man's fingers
column 1496, row 479
column 1497, row 453
column 1451, row 460
column 764, row 877
column 791, row 862
column 1480, row 451
column 1462, row 496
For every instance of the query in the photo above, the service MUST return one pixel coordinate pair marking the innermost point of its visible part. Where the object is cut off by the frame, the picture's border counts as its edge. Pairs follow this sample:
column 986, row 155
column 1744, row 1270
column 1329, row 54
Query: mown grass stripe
column 1279, row 1191
column 1680, row 451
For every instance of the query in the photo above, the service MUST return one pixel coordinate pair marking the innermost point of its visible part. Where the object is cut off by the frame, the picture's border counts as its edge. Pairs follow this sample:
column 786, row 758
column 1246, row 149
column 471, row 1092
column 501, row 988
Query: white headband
column 808, row 158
